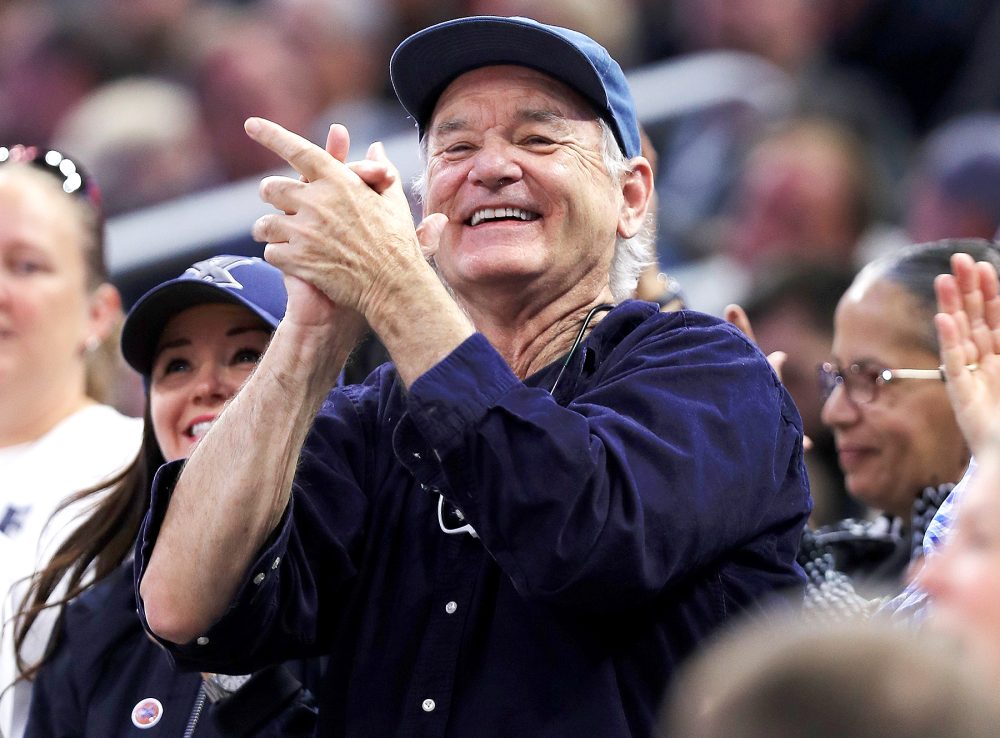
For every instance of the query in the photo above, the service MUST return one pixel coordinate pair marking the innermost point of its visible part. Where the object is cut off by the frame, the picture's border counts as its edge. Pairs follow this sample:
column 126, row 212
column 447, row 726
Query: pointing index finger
column 303, row 155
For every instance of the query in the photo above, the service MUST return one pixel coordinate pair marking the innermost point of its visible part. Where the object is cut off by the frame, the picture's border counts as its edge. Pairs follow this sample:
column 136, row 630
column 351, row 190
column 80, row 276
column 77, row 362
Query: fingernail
column 252, row 125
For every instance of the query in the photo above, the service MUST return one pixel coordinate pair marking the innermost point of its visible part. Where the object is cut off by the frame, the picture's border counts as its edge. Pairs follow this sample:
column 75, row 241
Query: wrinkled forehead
column 509, row 88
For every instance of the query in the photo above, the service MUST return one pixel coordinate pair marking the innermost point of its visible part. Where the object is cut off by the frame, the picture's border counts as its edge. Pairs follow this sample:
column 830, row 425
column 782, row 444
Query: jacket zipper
column 199, row 705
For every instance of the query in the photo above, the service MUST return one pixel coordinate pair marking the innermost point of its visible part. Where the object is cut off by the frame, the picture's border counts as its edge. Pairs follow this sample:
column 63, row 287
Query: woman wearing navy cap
column 195, row 339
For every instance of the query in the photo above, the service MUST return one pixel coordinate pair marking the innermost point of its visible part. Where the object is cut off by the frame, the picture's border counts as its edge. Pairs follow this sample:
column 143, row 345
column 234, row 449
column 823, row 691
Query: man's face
column 515, row 162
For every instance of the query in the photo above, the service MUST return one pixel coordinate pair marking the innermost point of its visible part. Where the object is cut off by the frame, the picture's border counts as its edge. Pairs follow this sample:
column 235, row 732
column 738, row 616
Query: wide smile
column 199, row 427
column 493, row 215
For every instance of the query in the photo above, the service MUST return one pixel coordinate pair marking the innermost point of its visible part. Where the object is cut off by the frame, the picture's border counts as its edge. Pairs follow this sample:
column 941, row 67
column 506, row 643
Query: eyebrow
column 527, row 115
column 181, row 342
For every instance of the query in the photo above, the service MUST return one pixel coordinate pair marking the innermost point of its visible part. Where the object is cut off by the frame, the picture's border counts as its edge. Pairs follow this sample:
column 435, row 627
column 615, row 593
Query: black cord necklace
column 462, row 526
column 602, row 308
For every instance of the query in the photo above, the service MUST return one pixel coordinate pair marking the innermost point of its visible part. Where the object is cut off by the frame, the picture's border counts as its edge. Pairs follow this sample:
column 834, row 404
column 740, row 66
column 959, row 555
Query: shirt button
column 277, row 561
column 451, row 607
column 202, row 640
column 428, row 705
column 259, row 578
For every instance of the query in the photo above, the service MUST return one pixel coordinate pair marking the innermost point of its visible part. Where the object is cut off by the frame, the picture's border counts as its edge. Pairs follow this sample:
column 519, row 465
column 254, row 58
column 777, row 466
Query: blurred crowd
column 153, row 95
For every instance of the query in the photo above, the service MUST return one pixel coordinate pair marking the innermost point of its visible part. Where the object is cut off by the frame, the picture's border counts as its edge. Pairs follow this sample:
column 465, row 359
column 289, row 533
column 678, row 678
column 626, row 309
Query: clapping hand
column 968, row 328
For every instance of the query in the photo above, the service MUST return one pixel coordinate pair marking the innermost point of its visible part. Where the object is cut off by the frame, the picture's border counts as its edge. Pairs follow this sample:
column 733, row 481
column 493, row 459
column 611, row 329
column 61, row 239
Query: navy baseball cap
column 427, row 62
column 236, row 280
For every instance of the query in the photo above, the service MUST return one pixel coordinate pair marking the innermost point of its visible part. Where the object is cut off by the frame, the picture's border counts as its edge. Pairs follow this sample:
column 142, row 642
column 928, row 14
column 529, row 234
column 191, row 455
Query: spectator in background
column 778, row 48
column 56, row 308
column 346, row 46
column 241, row 64
column 969, row 317
column 955, row 183
column 46, row 67
column 858, row 679
column 897, row 437
column 138, row 37
column 803, row 193
column 144, row 139
column 789, row 33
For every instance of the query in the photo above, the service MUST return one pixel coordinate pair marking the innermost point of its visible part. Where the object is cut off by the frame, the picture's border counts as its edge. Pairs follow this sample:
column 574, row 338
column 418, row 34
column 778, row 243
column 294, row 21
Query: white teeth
column 496, row 213
column 200, row 429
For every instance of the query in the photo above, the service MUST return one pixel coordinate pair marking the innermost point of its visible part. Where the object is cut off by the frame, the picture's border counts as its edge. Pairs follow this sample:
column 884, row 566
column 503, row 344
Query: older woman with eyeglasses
column 56, row 310
column 898, row 442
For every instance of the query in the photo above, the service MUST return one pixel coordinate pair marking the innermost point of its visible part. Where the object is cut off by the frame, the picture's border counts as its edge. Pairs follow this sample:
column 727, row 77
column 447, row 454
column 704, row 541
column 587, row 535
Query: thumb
column 777, row 361
column 737, row 316
column 429, row 233
column 376, row 170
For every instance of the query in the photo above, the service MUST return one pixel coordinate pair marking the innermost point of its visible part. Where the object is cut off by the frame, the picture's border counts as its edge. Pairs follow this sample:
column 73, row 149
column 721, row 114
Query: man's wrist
column 422, row 327
column 306, row 360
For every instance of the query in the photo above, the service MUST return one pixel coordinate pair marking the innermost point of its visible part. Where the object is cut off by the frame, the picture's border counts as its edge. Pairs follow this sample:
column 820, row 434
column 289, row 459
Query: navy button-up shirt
column 616, row 524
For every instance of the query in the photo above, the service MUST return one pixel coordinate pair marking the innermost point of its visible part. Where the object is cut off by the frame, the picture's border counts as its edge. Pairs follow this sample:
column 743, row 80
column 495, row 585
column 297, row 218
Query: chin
column 866, row 497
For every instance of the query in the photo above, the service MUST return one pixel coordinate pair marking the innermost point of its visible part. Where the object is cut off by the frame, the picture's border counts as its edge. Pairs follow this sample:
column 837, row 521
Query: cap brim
column 151, row 313
column 427, row 62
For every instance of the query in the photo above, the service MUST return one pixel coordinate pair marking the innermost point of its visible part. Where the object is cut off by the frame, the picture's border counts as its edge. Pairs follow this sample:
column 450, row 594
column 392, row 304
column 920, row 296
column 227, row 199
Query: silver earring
column 92, row 344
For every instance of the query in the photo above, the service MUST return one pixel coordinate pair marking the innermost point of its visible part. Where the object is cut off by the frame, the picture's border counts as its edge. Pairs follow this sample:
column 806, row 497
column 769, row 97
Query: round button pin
column 147, row 713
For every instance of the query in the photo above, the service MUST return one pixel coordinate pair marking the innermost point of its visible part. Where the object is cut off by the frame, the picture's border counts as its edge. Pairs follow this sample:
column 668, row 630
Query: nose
column 213, row 385
column 495, row 164
column 839, row 409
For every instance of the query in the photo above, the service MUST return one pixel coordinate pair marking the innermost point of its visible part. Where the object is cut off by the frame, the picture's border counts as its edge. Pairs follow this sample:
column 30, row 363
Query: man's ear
column 104, row 311
column 637, row 191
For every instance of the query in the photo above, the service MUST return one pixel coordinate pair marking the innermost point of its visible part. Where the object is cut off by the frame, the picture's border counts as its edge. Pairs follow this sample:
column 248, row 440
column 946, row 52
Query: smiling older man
column 522, row 524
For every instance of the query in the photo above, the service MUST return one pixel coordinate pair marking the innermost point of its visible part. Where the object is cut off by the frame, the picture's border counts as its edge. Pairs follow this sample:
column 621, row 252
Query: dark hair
column 103, row 540
column 814, row 290
column 915, row 267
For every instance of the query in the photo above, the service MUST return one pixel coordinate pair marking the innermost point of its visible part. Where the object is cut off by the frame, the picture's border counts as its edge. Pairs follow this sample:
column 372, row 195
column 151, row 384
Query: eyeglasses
column 862, row 381
column 71, row 176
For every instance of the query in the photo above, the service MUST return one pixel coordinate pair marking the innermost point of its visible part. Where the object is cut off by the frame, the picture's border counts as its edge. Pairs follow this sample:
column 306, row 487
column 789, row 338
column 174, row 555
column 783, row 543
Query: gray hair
column 632, row 255
column 914, row 268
